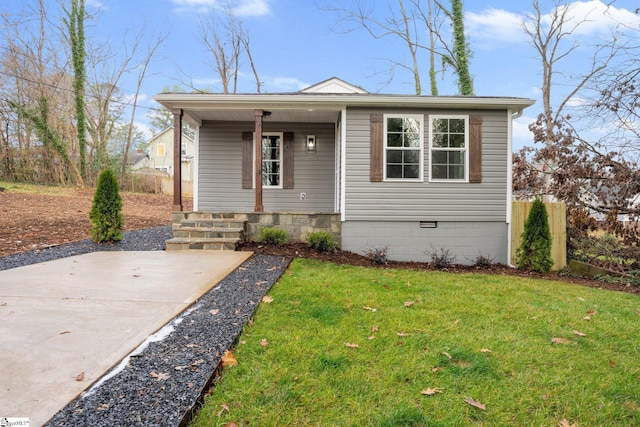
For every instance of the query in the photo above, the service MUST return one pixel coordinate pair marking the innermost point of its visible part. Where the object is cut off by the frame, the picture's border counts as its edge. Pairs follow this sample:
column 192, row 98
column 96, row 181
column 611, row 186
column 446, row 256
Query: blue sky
column 294, row 46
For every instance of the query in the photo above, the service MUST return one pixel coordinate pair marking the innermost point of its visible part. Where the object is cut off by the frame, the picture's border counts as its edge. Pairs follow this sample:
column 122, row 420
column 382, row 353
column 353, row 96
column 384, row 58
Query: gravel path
column 163, row 381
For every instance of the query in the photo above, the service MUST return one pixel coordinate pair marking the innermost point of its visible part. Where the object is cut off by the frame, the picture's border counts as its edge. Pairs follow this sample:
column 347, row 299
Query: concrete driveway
column 65, row 323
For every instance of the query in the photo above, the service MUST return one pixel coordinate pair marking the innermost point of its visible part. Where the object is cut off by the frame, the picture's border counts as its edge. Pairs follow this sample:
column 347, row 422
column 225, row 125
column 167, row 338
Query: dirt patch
column 34, row 221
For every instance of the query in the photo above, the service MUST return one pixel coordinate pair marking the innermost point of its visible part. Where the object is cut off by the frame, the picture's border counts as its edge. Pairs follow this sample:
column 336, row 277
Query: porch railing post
column 177, row 159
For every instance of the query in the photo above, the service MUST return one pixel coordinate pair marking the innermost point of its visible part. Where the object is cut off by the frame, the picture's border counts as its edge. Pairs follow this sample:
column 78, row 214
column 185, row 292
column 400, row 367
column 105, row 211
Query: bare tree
column 406, row 22
column 227, row 41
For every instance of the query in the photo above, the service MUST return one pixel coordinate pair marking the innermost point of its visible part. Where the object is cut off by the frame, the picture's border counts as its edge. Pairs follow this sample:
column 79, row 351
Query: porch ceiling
column 307, row 114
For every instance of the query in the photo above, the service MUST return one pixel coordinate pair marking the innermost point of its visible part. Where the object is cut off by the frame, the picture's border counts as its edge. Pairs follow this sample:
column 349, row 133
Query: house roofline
column 337, row 101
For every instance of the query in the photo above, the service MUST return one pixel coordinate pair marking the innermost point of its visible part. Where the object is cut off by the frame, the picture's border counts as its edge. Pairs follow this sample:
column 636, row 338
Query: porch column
column 258, row 156
column 177, row 159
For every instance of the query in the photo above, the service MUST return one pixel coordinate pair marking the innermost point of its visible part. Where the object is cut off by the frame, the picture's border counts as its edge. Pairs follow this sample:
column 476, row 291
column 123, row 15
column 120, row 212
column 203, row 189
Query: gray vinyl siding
column 220, row 169
column 427, row 201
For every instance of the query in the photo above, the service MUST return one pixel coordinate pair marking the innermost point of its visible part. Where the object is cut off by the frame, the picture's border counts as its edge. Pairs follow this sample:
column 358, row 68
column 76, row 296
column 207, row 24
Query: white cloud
column 521, row 134
column 594, row 18
column 286, row 84
column 238, row 7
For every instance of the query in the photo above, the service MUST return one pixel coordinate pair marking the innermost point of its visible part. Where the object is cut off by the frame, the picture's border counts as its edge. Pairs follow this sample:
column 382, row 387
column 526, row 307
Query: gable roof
column 333, row 85
column 313, row 104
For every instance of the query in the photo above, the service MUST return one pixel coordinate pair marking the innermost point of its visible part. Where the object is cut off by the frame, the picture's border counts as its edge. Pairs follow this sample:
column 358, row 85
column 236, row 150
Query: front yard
column 345, row 345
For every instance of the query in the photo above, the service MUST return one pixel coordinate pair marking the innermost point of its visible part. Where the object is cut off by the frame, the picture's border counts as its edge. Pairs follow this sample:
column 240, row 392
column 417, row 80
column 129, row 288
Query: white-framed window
column 449, row 148
column 183, row 148
column 271, row 159
column 403, row 147
column 164, row 169
column 160, row 151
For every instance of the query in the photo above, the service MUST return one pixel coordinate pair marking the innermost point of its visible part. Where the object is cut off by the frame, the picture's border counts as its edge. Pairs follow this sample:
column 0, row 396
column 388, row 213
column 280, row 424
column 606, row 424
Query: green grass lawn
column 479, row 336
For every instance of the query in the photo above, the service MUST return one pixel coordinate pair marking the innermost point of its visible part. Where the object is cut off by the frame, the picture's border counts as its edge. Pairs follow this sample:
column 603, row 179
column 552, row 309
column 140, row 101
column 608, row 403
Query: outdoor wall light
column 311, row 143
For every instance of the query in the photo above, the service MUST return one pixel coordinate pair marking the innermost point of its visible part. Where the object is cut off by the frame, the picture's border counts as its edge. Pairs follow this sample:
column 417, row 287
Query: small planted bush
column 534, row 253
column 273, row 236
column 321, row 241
column 378, row 255
column 442, row 258
column 106, row 210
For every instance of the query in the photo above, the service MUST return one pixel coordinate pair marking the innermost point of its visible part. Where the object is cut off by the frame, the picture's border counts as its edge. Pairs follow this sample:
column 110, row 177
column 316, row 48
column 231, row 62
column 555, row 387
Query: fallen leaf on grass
column 591, row 312
column 231, row 424
column 560, row 341
column 587, row 318
column 263, row 342
column 447, row 354
column 436, row 369
column 565, row 423
column 159, row 376
column 374, row 329
column 228, row 359
column 351, row 345
column 580, row 299
column 371, row 309
column 475, row 403
column 267, row 299
column 580, row 334
column 408, row 303
column 79, row 377
column 456, row 323
column 372, row 337
column 403, row 334
column 485, row 350
column 431, row 391
column 224, row 409
column 612, row 364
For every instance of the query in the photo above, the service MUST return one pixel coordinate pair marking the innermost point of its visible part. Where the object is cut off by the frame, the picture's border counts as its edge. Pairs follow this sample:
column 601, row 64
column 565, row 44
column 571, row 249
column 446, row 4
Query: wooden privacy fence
column 557, row 213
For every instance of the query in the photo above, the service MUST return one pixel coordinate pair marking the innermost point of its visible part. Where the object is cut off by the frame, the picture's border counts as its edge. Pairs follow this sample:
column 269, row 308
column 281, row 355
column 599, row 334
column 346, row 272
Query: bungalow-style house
column 412, row 174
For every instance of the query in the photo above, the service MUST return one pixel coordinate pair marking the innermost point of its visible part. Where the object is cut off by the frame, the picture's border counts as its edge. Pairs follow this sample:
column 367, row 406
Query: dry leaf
column 485, row 350
column 372, row 337
column 198, row 362
column 272, row 268
column 263, row 342
column 371, row 309
column 228, row 359
column 267, row 299
column 580, row 334
column 79, row 377
column 565, row 423
column 408, row 284
column 402, row 334
column 225, row 408
column 242, row 268
column 351, row 345
column 159, row 376
column 456, row 322
column 591, row 312
column 436, row 369
column 612, row 364
column 192, row 346
column 587, row 318
column 580, row 299
column 475, row 403
column 408, row 303
column 214, row 311
column 431, row 391
column 560, row 341
column 103, row 407
column 374, row 329
column 180, row 368
column 447, row 354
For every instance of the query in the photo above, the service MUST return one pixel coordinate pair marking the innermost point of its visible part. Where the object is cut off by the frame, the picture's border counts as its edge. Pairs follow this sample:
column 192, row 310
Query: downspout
column 343, row 164
column 177, row 157
column 258, row 155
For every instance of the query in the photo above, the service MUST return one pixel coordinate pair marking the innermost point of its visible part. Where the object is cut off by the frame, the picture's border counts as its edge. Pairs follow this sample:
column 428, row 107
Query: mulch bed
column 302, row 250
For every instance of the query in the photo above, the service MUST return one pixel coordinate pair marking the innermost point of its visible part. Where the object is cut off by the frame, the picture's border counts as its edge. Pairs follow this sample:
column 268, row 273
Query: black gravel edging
column 161, row 384
column 151, row 239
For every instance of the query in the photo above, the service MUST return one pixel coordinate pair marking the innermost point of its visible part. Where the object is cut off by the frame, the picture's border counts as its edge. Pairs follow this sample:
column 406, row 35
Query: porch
column 227, row 230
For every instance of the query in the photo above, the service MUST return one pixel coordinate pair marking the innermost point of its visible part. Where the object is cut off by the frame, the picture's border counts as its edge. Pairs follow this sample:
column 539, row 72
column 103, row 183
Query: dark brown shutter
column 475, row 149
column 376, row 147
column 247, row 159
column 287, row 160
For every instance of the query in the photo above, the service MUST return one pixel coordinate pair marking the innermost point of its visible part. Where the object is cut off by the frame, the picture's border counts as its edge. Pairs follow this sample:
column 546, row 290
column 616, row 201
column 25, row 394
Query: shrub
column 321, row 241
column 534, row 252
column 106, row 210
column 273, row 236
column 483, row 261
column 378, row 255
column 442, row 259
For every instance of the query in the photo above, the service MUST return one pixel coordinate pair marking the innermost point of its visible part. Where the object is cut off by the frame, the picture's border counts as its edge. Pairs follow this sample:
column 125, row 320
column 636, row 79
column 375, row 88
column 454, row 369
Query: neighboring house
column 161, row 154
column 415, row 174
column 138, row 160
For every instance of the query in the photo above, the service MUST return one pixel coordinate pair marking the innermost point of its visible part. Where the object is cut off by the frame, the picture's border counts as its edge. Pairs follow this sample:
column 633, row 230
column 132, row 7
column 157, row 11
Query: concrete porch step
column 211, row 244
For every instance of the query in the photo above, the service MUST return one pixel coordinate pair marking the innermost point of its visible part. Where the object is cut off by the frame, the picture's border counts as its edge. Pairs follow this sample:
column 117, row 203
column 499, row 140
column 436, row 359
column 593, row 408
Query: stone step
column 217, row 244
column 208, row 223
column 209, row 233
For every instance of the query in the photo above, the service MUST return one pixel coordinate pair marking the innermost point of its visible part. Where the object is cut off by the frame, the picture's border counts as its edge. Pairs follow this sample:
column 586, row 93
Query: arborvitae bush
column 534, row 253
column 321, row 241
column 106, row 210
column 273, row 236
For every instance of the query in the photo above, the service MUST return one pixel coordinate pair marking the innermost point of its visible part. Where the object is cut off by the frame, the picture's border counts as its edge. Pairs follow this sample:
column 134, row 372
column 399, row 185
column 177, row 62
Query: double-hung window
column 403, row 147
column 449, row 148
column 272, row 160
